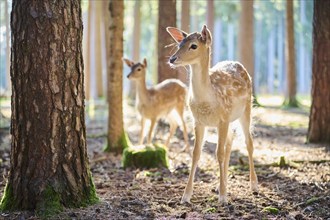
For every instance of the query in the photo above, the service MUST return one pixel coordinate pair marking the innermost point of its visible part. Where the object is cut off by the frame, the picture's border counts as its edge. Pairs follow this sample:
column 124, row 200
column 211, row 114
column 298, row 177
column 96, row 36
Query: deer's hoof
column 254, row 186
column 223, row 200
column 185, row 199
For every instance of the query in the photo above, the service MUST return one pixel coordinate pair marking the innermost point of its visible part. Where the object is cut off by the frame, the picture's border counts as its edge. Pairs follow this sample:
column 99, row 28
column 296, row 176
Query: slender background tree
column 166, row 17
column 49, row 166
column 116, row 135
column 246, row 38
column 135, row 43
column 291, row 92
column 319, row 119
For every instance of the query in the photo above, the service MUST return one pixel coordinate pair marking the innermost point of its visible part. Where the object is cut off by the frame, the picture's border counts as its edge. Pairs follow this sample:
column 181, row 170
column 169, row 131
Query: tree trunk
column 7, row 16
column 87, row 58
column 246, row 38
column 280, row 56
column 166, row 17
column 98, row 49
column 302, row 51
column 270, row 65
column 319, row 119
column 135, row 44
column 185, row 15
column 49, row 163
column 116, row 135
column 210, row 23
column 290, row 57
column 183, row 73
column 231, row 46
column 106, row 16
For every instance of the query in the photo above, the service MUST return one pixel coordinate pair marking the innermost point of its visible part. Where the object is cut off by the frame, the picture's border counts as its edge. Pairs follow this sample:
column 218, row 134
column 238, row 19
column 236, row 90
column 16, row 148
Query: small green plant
column 271, row 210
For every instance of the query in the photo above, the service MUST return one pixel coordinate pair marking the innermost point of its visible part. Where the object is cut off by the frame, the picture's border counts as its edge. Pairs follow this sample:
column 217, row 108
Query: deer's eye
column 139, row 69
column 193, row 46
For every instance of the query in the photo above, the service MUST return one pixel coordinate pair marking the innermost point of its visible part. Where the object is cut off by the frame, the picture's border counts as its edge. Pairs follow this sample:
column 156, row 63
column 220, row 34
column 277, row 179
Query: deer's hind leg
column 245, row 121
column 180, row 111
column 173, row 127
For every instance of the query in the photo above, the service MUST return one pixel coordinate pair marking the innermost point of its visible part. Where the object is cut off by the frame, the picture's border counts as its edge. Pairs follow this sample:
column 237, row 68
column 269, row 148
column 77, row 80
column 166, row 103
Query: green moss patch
column 271, row 210
column 51, row 203
column 7, row 201
column 121, row 144
column 145, row 156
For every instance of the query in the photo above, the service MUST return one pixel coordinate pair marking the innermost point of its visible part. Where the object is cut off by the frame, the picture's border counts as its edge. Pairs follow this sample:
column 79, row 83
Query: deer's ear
column 206, row 35
column 176, row 34
column 128, row 62
column 145, row 62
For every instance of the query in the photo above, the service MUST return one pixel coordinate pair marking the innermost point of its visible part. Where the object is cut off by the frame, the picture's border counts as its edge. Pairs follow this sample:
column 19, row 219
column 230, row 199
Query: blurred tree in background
column 319, row 129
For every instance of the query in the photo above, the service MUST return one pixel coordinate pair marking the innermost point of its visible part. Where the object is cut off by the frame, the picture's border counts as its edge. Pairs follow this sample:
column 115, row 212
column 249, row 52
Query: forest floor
column 299, row 190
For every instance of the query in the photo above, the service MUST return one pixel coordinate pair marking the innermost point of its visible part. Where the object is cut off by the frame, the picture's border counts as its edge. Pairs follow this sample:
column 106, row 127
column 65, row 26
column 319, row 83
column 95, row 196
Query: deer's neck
column 141, row 90
column 200, row 82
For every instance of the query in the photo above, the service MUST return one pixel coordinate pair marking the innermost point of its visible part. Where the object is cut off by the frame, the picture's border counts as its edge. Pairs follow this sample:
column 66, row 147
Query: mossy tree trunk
column 49, row 164
column 166, row 17
column 319, row 119
column 116, row 136
column 291, row 92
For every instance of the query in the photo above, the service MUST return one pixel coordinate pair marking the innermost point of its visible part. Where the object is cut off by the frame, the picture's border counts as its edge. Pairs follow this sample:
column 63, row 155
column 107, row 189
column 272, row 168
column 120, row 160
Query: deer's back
column 163, row 98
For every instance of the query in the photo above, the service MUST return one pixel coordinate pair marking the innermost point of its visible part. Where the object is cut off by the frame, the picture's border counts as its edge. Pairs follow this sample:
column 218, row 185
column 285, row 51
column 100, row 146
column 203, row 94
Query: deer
column 160, row 101
column 218, row 96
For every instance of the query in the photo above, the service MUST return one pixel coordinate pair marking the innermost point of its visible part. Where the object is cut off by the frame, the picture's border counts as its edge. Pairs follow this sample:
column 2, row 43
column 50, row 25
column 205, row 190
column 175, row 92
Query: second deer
column 162, row 100
column 218, row 96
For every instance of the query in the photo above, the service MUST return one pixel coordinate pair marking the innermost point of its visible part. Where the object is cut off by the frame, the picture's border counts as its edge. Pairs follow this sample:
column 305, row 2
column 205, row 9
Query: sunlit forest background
column 269, row 38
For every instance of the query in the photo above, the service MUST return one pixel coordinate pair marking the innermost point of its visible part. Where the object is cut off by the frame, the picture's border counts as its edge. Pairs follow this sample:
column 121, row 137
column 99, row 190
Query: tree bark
column 7, row 46
column 166, row 17
column 185, row 15
column 183, row 73
column 98, row 50
column 319, row 119
column 88, row 52
column 210, row 23
column 246, row 38
column 106, row 16
column 290, row 57
column 49, row 163
column 116, row 134
column 135, row 44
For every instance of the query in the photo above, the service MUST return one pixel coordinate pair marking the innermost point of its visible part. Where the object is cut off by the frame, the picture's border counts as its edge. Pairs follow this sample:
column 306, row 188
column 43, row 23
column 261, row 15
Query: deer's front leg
column 152, row 125
column 199, row 136
column 222, row 135
column 142, row 131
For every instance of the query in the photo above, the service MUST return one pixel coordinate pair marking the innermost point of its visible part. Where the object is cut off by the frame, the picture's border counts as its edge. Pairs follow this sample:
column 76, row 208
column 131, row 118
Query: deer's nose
column 173, row 59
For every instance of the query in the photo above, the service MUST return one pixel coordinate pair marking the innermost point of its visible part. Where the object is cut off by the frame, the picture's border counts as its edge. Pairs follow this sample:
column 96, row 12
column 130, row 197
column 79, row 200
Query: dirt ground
column 300, row 190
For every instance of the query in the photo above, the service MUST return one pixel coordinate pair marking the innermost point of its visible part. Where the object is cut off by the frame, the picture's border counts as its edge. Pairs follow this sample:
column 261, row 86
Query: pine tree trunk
column 185, row 15
column 319, row 119
column 115, row 79
column 183, row 73
column 49, row 163
column 290, row 57
column 135, row 44
column 98, row 49
column 271, row 58
column 166, row 17
column 246, row 38
column 106, row 16
column 210, row 23
column 7, row 46
column 87, row 58
column 280, row 56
